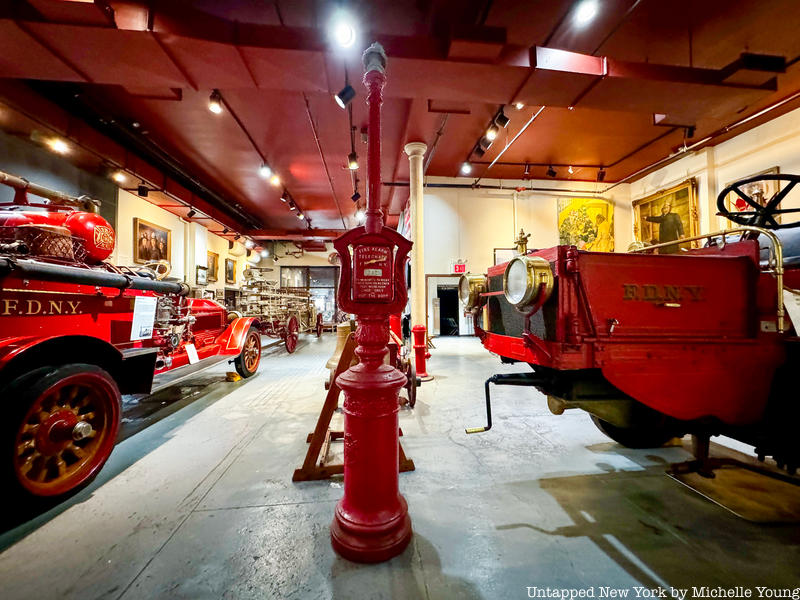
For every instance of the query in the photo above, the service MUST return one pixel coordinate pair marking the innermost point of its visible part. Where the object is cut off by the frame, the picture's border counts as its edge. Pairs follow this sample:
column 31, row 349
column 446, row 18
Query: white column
column 416, row 151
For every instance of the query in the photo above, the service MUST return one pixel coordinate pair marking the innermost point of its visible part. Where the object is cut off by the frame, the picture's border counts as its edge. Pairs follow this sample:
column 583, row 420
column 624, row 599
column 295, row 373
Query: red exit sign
column 459, row 268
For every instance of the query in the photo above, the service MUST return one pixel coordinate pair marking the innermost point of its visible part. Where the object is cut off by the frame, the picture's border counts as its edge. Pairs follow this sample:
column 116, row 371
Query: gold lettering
column 672, row 293
column 55, row 307
column 9, row 306
column 30, row 307
column 74, row 306
column 650, row 293
column 696, row 292
column 629, row 291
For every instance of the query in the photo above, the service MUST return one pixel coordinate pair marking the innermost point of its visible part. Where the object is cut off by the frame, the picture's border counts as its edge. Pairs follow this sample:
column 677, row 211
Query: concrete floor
column 200, row 504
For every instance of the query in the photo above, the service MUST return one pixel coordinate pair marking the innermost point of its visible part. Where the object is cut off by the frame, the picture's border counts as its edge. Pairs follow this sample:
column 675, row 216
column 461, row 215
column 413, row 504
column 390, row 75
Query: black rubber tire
column 20, row 394
column 645, row 436
column 240, row 363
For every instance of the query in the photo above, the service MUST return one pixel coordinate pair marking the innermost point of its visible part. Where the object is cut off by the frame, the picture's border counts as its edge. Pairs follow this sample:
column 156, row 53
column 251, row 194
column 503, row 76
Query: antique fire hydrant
column 371, row 522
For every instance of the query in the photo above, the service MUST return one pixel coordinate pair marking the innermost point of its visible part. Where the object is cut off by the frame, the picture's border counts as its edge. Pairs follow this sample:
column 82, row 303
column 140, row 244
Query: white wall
column 776, row 143
column 130, row 206
column 467, row 224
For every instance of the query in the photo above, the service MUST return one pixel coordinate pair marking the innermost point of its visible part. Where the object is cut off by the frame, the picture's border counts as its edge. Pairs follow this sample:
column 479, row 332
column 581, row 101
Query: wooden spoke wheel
column 248, row 360
column 319, row 325
column 65, row 427
column 411, row 382
column 292, row 329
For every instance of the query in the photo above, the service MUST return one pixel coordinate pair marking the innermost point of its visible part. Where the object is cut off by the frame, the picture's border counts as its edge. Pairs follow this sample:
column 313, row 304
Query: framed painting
column 230, row 270
column 212, row 264
column 201, row 275
column 760, row 191
column 587, row 223
column 150, row 242
column 667, row 216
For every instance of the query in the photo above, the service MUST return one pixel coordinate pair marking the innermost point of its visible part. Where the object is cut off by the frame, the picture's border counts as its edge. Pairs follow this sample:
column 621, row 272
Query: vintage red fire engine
column 76, row 332
column 658, row 345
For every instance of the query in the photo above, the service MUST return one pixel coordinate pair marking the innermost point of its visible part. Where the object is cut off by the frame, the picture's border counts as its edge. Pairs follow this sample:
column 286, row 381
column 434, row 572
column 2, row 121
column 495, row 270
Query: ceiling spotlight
column 484, row 144
column 215, row 102
column 142, row 191
column 551, row 172
column 601, row 175
column 225, row 230
column 275, row 180
column 527, row 170
column 300, row 216
column 343, row 32
column 192, row 212
column 360, row 216
column 264, row 253
column 264, row 171
column 501, row 119
column 58, row 145
column 478, row 151
column 345, row 97
column 249, row 244
column 519, row 105
column 292, row 205
column 119, row 176
column 570, row 170
column 352, row 161
column 466, row 168
column 585, row 12
column 237, row 236
column 355, row 197
column 492, row 132
column 283, row 196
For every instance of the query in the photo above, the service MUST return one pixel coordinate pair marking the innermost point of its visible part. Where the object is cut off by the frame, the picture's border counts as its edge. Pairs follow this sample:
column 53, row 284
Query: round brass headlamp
column 528, row 279
column 470, row 287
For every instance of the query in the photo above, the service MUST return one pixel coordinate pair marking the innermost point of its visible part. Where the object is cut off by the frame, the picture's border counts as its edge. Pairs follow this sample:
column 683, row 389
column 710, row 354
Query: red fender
column 231, row 340
column 14, row 347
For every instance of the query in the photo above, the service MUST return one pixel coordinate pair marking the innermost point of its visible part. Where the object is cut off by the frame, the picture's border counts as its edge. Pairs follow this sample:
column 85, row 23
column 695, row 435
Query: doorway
column 448, row 309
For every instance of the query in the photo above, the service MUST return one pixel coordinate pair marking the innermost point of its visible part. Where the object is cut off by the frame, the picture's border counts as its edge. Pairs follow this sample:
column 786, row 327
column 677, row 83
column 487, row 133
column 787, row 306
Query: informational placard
column 191, row 352
column 144, row 315
column 791, row 302
column 372, row 273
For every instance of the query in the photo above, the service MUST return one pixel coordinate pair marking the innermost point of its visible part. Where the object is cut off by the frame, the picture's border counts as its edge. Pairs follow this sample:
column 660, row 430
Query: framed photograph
column 230, row 270
column 201, row 275
column 587, row 223
column 503, row 255
column 667, row 216
column 212, row 264
column 760, row 191
column 150, row 242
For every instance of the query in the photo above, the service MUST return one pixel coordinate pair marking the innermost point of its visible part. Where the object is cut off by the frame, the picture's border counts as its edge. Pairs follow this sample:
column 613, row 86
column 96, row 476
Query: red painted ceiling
column 452, row 65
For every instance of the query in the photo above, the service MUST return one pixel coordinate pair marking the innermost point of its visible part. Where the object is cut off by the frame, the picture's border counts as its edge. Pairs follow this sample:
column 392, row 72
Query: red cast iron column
column 371, row 522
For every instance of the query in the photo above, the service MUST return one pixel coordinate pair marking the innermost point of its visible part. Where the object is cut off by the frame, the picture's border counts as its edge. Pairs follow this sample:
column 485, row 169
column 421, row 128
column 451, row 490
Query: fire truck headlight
column 470, row 287
column 528, row 279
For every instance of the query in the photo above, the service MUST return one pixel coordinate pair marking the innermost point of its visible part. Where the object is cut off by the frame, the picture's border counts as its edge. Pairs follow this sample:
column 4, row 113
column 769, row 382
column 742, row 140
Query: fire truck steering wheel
column 160, row 268
column 753, row 207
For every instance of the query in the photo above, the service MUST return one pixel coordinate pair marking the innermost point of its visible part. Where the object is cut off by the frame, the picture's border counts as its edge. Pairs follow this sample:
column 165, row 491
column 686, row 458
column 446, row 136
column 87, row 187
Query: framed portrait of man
column 212, row 265
column 760, row 191
column 230, row 270
column 150, row 242
column 667, row 216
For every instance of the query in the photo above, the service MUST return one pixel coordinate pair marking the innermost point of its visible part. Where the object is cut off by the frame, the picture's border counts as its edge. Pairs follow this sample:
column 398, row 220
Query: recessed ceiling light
column 570, row 108
column 343, row 31
column 466, row 168
column 275, row 179
column 215, row 102
column 570, row 170
column 519, row 105
column 58, row 145
column 265, row 171
column 586, row 11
